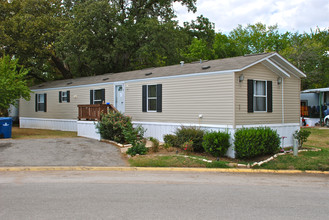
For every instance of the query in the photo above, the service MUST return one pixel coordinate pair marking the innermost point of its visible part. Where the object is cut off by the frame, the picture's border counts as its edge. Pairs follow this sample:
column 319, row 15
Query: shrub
column 188, row 146
column 301, row 136
column 117, row 127
column 216, row 143
column 190, row 134
column 171, row 140
column 155, row 143
column 252, row 142
column 137, row 148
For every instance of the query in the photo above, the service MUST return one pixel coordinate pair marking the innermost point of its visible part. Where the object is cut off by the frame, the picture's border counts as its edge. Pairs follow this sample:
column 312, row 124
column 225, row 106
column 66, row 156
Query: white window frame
column 260, row 96
column 39, row 102
column 94, row 100
column 64, row 96
column 148, row 98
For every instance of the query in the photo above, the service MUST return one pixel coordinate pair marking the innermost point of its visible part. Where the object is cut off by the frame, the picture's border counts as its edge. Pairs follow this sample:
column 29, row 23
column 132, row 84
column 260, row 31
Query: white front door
column 120, row 98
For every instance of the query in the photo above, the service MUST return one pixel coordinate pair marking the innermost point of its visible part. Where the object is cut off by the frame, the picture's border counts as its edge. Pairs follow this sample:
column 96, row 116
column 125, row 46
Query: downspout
column 234, row 110
column 282, row 85
column 320, row 104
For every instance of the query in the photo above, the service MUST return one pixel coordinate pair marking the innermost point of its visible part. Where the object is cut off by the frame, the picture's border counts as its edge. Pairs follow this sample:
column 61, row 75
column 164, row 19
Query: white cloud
column 292, row 15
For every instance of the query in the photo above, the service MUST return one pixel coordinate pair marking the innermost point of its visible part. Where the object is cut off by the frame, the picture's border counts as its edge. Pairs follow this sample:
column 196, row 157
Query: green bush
column 155, row 143
column 216, row 143
column 252, row 142
column 188, row 146
column 301, row 136
column 171, row 140
column 194, row 134
column 119, row 128
column 137, row 148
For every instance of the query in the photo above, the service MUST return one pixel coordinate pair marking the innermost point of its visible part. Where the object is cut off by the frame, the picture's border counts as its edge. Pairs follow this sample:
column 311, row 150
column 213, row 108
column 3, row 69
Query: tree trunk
column 60, row 66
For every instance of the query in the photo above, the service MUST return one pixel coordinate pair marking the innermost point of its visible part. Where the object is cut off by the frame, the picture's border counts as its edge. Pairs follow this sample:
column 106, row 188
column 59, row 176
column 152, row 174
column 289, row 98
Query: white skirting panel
column 311, row 121
column 158, row 130
column 88, row 129
column 48, row 123
column 153, row 129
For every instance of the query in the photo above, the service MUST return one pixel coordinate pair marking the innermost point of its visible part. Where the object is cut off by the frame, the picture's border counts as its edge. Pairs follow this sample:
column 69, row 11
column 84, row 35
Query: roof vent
column 40, row 86
column 205, row 67
column 105, row 79
column 147, row 74
column 182, row 63
column 69, row 83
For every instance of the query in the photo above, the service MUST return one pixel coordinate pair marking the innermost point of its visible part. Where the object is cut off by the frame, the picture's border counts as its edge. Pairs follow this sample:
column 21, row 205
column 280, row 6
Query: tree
column 87, row 42
column 199, row 50
column 28, row 29
column 202, row 29
column 12, row 83
column 309, row 53
column 113, row 36
column 258, row 38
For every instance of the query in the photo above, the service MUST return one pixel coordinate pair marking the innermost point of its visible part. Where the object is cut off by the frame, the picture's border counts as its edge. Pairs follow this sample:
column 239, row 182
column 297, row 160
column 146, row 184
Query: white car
column 326, row 120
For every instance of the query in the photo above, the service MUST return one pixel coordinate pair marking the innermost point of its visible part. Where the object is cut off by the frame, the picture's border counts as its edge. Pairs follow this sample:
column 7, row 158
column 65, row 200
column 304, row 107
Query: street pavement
column 162, row 195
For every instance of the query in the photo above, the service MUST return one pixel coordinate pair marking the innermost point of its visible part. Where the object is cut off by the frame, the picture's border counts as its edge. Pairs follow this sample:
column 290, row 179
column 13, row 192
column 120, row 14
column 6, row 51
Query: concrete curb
column 160, row 169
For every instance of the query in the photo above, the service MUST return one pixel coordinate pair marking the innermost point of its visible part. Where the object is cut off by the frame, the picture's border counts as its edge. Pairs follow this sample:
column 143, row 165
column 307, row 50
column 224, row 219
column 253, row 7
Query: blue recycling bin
column 6, row 124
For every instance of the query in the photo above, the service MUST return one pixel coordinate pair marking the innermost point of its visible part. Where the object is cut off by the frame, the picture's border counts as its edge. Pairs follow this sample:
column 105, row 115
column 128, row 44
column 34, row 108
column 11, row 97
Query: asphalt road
column 162, row 195
column 59, row 152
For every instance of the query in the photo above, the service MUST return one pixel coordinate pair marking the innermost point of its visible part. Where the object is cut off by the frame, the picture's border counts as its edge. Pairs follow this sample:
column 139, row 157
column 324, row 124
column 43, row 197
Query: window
column 41, row 102
column 97, row 96
column 260, row 96
column 152, row 98
column 64, row 96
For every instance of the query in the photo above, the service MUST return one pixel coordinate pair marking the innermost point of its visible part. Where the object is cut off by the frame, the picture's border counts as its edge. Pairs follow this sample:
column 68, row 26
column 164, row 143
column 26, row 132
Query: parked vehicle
column 326, row 120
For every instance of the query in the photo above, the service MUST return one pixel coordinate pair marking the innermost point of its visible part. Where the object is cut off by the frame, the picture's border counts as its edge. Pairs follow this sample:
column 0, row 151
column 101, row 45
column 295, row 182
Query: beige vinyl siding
column 185, row 98
column 291, row 99
column 257, row 72
column 64, row 110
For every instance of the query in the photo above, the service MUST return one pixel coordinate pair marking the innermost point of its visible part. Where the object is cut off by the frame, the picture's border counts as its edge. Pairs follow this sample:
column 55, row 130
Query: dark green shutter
column 60, row 96
column 91, row 97
column 36, row 102
column 45, row 104
column 250, row 95
column 68, row 96
column 144, row 98
column 269, row 97
column 159, row 98
column 103, row 96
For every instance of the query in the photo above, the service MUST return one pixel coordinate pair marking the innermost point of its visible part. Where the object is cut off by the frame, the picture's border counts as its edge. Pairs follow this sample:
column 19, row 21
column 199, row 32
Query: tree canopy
column 60, row 39
column 12, row 83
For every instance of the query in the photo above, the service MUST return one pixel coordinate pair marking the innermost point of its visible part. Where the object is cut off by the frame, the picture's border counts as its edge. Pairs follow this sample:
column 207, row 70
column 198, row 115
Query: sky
column 290, row 15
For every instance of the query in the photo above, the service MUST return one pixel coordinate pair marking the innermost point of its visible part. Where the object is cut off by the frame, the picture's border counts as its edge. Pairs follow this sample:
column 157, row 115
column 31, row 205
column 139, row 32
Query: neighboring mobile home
column 313, row 104
column 225, row 94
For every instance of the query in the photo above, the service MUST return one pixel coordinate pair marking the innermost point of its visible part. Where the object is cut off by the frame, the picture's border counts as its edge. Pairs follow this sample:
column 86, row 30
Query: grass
column 27, row 133
column 173, row 161
column 309, row 160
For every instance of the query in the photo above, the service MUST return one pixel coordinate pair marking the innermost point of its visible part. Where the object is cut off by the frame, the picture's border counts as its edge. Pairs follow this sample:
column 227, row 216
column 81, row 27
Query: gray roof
column 316, row 90
column 227, row 64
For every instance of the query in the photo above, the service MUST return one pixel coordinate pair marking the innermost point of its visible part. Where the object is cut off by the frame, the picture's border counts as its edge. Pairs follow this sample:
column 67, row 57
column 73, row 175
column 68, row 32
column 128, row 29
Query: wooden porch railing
column 93, row 112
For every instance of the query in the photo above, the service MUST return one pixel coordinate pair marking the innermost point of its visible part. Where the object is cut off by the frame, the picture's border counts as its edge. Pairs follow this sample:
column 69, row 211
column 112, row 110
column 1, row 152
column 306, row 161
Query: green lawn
column 173, row 161
column 319, row 160
column 309, row 160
